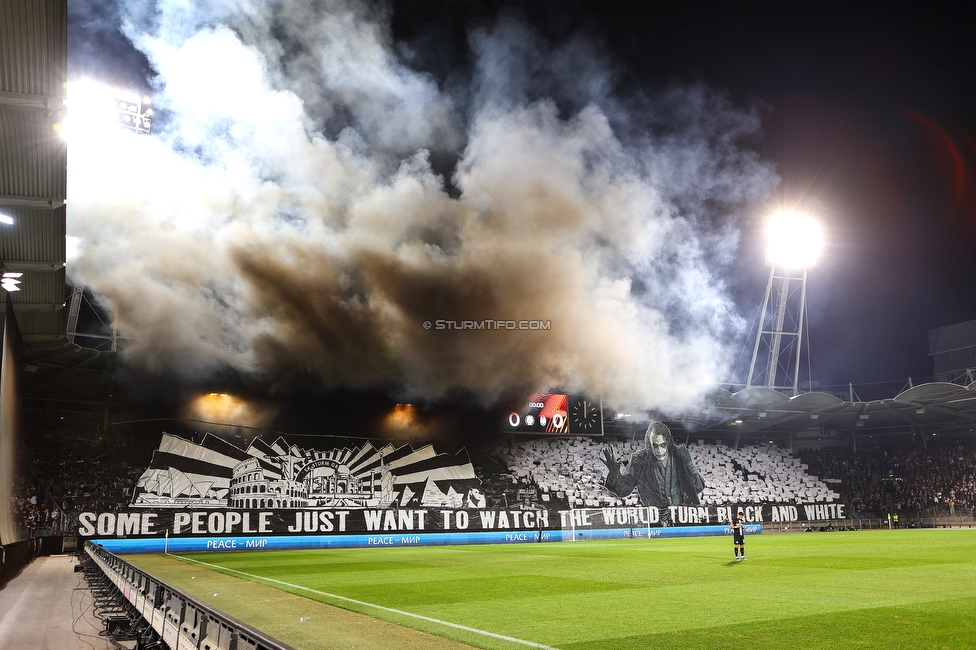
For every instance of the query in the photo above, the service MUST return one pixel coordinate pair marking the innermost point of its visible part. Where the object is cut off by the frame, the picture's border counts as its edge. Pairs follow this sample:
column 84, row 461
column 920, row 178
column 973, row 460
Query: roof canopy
column 759, row 410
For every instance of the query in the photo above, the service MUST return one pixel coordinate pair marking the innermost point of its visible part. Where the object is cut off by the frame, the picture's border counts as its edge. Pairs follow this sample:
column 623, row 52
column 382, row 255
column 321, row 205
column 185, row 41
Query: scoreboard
column 556, row 413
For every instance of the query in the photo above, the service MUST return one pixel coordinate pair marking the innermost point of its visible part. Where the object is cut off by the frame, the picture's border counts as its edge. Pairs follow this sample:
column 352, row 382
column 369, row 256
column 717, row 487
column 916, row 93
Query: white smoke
column 285, row 219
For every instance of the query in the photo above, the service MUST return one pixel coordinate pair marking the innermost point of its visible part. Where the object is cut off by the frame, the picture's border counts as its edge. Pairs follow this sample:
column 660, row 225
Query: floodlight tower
column 793, row 243
column 97, row 109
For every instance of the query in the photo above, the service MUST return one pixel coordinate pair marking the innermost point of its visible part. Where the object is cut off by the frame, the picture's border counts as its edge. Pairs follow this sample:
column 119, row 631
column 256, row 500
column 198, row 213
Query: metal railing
column 180, row 620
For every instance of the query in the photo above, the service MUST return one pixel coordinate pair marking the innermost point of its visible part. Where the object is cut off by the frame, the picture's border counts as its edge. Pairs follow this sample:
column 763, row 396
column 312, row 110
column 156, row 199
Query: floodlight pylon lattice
column 779, row 338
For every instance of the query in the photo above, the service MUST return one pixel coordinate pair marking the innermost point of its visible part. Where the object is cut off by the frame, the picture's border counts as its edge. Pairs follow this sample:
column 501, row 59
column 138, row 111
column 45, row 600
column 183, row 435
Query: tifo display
column 214, row 495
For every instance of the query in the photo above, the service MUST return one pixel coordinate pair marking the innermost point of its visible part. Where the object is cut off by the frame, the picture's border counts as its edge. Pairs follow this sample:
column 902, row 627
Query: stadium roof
column 760, row 412
column 33, row 190
column 33, row 162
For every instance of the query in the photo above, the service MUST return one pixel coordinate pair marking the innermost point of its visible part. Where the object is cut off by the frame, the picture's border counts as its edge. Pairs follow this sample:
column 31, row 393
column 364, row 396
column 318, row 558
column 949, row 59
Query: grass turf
column 891, row 589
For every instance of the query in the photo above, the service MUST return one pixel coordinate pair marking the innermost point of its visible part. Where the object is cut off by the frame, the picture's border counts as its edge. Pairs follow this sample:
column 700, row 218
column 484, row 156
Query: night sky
column 868, row 114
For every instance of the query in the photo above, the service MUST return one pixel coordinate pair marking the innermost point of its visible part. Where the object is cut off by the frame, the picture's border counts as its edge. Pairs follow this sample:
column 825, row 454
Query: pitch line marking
column 429, row 619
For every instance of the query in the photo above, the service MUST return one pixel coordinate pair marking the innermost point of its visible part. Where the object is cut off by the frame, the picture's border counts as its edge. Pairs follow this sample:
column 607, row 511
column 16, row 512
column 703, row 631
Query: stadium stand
column 68, row 472
column 31, row 514
column 919, row 481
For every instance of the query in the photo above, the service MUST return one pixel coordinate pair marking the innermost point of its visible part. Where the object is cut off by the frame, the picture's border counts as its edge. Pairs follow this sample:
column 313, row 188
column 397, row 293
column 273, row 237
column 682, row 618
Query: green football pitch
column 872, row 589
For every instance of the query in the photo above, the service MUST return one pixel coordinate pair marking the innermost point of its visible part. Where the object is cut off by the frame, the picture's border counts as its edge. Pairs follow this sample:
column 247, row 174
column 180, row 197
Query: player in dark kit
column 739, row 538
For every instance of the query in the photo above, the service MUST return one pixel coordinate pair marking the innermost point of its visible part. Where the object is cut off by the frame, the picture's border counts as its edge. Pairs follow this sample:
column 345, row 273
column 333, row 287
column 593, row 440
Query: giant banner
column 216, row 473
column 230, row 530
column 194, row 523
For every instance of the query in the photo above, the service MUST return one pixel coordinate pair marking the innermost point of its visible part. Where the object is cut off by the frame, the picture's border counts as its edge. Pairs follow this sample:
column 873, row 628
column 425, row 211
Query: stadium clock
column 585, row 415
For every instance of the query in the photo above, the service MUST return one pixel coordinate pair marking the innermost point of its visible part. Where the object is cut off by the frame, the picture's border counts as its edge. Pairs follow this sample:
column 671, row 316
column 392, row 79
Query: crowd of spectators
column 914, row 480
column 65, row 473
column 32, row 513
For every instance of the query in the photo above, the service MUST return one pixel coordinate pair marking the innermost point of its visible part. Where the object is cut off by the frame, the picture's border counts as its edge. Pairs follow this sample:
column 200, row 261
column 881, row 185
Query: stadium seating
column 921, row 480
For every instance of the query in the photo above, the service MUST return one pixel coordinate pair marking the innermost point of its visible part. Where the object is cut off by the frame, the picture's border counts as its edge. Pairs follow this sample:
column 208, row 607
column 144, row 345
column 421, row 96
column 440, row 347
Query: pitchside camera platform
column 556, row 413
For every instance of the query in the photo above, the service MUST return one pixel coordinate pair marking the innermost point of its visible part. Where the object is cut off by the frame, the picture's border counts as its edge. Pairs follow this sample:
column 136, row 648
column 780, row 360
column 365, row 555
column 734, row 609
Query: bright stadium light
column 6, row 219
column 93, row 107
column 793, row 241
column 793, row 244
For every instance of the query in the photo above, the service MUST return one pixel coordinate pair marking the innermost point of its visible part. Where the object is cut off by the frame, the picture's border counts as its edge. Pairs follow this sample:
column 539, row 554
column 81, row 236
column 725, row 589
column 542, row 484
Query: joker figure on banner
column 662, row 472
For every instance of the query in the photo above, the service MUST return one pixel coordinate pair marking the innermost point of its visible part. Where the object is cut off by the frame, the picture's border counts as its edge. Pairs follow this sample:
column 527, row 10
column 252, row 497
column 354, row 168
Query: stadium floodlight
column 94, row 106
column 793, row 240
column 6, row 219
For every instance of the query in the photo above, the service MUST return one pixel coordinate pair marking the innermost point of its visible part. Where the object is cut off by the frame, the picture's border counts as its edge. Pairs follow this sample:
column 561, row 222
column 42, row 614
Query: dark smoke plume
column 285, row 218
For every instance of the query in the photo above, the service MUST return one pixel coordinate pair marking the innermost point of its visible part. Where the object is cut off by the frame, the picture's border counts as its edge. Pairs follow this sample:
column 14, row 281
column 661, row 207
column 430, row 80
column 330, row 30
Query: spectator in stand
column 917, row 480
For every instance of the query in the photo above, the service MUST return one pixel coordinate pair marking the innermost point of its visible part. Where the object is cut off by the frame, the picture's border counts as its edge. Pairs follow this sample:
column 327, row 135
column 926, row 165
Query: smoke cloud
column 285, row 218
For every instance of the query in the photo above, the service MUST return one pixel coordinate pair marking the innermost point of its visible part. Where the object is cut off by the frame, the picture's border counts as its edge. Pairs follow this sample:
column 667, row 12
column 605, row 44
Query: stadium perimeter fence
column 14, row 557
column 180, row 620
column 17, row 555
